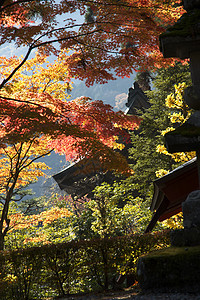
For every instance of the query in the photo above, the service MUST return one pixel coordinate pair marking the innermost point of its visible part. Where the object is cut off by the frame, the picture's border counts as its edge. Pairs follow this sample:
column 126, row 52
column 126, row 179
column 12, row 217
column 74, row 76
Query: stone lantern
column 183, row 41
column 179, row 267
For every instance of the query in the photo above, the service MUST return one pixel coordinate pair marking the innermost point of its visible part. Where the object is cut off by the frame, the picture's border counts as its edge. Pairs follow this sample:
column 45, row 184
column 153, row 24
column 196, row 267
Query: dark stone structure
column 178, row 267
column 190, row 235
column 174, row 269
column 183, row 40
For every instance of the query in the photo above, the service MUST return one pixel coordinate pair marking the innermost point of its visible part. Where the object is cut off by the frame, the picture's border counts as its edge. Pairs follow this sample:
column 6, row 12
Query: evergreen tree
column 146, row 160
column 144, row 80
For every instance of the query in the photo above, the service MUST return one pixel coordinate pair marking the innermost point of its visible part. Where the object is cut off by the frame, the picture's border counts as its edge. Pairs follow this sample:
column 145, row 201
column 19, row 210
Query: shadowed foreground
column 136, row 294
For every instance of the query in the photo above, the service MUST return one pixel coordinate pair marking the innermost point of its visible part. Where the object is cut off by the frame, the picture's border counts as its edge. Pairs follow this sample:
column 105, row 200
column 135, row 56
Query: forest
column 60, row 244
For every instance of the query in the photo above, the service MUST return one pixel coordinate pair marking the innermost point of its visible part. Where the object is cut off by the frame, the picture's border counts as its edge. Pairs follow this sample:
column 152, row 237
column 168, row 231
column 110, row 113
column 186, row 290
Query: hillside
column 106, row 92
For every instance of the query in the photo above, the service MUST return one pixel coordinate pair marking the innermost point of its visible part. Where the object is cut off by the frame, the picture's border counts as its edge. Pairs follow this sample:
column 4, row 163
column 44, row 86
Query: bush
column 73, row 267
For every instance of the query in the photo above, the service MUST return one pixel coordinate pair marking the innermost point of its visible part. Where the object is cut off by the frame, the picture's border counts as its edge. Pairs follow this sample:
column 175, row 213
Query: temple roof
column 137, row 100
column 82, row 177
column 79, row 178
column 171, row 190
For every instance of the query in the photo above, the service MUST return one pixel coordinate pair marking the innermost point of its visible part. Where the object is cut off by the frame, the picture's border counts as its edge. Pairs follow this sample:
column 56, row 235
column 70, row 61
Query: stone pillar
column 192, row 94
column 191, row 210
column 182, row 40
column 190, row 235
column 195, row 68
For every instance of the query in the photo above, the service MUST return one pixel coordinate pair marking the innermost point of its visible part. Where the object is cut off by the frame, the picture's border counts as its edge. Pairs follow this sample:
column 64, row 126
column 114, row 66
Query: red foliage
column 122, row 37
column 79, row 128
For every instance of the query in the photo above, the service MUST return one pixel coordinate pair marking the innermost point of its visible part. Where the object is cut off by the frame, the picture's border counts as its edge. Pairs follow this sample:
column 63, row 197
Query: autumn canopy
column 108, row 39
column 111, row 38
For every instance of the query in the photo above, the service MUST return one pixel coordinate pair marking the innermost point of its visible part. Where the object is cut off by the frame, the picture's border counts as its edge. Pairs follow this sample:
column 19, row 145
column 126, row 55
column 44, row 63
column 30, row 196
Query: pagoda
column 80, row 178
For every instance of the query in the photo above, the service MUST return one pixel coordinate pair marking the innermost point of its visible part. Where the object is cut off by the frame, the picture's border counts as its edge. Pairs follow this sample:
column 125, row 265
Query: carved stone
column 192, row 97
column 190, row 235
column 185, row 137
column 183, row 40
column 195, row 67
column 185, row 237
column 191, row 210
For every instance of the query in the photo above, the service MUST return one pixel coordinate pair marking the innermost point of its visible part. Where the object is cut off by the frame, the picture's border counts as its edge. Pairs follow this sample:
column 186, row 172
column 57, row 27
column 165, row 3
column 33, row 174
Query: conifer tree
column 146, row 160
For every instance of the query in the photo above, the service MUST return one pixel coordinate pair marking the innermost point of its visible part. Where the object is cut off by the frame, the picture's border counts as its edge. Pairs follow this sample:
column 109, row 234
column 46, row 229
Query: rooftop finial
column 136, row 85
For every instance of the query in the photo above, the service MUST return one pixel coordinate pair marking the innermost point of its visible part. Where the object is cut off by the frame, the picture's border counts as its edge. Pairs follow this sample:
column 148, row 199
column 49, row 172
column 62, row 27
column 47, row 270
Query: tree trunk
column 1, row 241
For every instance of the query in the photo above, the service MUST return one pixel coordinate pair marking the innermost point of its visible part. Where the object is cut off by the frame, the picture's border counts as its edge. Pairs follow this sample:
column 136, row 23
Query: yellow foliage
column 10, row 279
column 161, row 173
column 38, row 75
column 177, row 118
column 37, row 81
column 175, row 222
column 179, row 114
column 118, row 145
column 53, row 214
column 179, row 156
column 175, row 100
column 21, row 221
column 18, row 160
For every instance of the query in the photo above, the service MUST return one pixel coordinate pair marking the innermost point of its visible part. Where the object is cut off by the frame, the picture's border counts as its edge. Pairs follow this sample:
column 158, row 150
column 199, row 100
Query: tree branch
column 17, row 68
column 34, row 159
column 13, row 3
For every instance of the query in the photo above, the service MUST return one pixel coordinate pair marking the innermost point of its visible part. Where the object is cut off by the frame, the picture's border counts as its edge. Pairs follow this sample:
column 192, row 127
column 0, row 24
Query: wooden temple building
column 137, row 101
column 171, row 190
column 79, row 179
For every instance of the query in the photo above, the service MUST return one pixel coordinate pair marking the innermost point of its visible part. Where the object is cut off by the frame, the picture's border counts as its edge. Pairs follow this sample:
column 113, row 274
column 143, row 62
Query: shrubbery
column 73, row 267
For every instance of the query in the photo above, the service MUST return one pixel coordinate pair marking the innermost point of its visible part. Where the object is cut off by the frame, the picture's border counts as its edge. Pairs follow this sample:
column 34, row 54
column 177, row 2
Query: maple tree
column 36, row 117
column 35, row 102
column 20, row 151
column 116, row 37
column 18, row 169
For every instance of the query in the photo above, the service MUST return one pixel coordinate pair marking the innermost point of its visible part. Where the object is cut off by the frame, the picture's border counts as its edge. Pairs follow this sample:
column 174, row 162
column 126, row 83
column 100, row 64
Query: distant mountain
column 106, row 92
column 46, row 185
